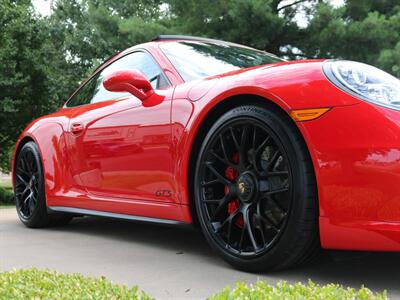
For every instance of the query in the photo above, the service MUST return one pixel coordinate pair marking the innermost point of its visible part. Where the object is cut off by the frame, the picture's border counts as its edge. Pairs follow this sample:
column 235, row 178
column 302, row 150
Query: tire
column 30, row 197
column 255, row 191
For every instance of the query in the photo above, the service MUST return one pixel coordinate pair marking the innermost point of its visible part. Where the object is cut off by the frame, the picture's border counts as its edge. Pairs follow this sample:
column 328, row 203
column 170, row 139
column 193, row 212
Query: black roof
column 186, row 37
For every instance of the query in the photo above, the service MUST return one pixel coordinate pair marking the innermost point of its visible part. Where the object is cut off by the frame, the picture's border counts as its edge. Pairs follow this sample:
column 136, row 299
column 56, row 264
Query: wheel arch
column 49, row 139
column 212, row 115
column 21, row 142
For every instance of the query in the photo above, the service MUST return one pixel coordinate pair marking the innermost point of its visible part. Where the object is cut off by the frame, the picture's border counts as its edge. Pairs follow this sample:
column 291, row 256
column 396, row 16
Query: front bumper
column 356, row 155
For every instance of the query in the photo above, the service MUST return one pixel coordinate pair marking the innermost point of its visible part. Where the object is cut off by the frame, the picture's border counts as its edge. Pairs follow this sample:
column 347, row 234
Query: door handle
column 77, row 128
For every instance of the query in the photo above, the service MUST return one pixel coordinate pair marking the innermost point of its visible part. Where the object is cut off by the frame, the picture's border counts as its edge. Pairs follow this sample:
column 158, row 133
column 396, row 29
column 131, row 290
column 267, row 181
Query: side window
column 141, row 61
column 94, row 91
column 85, row 94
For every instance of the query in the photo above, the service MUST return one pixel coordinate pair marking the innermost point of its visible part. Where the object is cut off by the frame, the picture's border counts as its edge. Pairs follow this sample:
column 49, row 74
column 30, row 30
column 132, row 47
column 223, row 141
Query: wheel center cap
column 246, row 185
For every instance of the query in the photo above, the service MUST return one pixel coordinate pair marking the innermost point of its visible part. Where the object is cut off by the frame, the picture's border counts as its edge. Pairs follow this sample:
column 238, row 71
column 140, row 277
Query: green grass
column 298, row 291
column 36, row 284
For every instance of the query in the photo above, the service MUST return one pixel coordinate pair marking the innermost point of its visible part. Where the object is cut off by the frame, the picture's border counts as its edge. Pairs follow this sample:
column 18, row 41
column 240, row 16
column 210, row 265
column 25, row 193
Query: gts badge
column 163, row 193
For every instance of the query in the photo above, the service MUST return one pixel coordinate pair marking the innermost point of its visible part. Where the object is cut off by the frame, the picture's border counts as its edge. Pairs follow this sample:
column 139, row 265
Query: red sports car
column 272, row 159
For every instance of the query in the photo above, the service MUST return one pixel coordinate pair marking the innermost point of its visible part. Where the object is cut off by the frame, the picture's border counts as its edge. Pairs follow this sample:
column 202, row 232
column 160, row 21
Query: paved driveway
column 166, row 262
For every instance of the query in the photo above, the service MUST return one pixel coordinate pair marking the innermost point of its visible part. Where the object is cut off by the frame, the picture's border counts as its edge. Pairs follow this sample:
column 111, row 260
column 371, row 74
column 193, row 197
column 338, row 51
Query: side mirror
column 131, row 81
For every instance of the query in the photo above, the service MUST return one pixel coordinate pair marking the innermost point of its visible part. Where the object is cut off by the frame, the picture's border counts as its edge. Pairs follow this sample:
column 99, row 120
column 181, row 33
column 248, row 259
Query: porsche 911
column 271, row 159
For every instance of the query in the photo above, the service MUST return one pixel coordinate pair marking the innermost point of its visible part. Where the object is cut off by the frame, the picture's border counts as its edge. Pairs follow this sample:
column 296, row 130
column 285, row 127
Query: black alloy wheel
column 246, row 189
column 26, row 183
column 30, row 198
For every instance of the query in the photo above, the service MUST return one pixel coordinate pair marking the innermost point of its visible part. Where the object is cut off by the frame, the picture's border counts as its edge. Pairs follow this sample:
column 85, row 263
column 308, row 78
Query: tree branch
column 291, row 4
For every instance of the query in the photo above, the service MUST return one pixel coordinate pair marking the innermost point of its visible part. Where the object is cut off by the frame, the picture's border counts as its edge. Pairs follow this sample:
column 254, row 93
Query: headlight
column 365, row 82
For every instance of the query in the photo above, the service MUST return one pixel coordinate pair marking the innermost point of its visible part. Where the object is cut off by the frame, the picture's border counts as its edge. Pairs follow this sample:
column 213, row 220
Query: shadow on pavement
column 377, row 271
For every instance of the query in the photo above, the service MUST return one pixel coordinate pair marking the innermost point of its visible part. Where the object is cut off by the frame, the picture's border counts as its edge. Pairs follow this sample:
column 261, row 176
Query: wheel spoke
column 23, row 165
column 218, row 157
column 35, row 188
column 242, row 149
column 248, row 226
column 262, row 145
column 212, row 201
column 222, row 205
column 277, row 191
column 22, row 207
column 235, row 141
column 27, row 198
column 272, row 162
column 230, row 221
column 33, row 198
column 19, row 184
column 22, row 180
column 210, row 183
column 261, row 229
column 242, row 238
column 224, row 160
column 27, row 162
column 230, row 228
column 221, row 139
column 277, row 173
column 254, row 137
column 220, row 177
column 25, row 190
column 230, row 218
column 32, row 162
column 259, row 217
column 20, row 170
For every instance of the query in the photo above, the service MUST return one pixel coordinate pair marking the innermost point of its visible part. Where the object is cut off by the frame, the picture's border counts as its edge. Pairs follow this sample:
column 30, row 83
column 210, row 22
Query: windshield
column 194, row 60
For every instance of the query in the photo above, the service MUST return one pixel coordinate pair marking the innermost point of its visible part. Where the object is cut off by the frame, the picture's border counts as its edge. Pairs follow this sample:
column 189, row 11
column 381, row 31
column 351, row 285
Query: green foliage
column 389, row 59
column 366, row 31
column 284, row 290
column 35, row 284
column 6, row 195
column 235, row 21
column 43, row 59
column 30, row 85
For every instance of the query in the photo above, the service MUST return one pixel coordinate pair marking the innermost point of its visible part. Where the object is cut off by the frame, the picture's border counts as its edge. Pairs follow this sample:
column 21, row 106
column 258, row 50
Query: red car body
column 122, row 157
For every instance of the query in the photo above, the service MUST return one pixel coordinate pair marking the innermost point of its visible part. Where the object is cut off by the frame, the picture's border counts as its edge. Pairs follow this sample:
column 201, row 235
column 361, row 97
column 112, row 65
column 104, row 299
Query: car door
column 119, row 148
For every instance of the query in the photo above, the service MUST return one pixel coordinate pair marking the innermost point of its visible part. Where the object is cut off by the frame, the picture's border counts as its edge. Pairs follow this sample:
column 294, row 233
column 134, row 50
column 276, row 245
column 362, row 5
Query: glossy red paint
column 135, row 82
column 125, row 157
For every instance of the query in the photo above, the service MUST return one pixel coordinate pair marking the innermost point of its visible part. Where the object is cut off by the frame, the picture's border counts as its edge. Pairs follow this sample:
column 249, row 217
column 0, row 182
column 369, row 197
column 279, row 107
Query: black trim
column 185, row 37
column 96, row 213
column 161, row 38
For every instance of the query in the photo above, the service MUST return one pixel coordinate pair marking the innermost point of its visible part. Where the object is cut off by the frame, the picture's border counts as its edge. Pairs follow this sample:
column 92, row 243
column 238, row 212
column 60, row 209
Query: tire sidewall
column 40, row 209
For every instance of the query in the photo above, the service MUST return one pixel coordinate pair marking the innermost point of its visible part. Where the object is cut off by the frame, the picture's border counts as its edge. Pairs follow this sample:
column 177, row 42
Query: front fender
column 288, row 85
column 49, row 137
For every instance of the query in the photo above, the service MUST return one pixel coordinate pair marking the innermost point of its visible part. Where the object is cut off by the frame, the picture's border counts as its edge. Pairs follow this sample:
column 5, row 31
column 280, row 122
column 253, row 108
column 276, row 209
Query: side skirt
column 88, row 212
column 359, row 235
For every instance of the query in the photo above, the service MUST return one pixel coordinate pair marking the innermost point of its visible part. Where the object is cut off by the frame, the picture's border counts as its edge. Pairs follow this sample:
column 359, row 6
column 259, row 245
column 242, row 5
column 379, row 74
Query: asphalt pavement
column 168, row 262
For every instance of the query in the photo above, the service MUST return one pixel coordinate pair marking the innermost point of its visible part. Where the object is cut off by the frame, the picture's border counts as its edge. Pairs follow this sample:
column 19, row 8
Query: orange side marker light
column 300, row 115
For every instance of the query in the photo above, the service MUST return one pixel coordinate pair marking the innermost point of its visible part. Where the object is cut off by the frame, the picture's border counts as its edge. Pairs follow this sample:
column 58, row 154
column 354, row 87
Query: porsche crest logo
column 241, row 187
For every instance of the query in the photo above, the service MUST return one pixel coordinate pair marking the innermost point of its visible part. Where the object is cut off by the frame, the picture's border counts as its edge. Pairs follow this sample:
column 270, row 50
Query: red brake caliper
column 232, row 174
